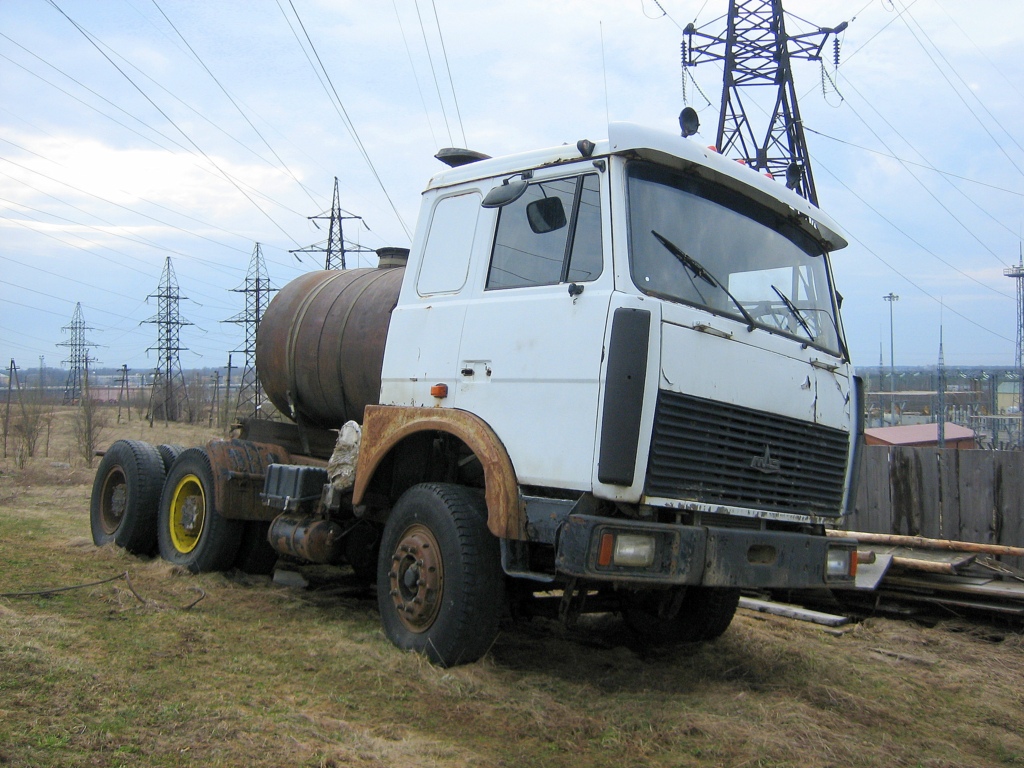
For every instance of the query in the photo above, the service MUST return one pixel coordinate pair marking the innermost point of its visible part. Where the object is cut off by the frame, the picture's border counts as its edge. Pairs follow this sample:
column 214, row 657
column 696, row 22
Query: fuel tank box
column 292, row 487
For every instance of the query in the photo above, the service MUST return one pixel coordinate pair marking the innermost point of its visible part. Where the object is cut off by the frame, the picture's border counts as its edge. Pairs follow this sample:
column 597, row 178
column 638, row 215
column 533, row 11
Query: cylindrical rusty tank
column 320, row 344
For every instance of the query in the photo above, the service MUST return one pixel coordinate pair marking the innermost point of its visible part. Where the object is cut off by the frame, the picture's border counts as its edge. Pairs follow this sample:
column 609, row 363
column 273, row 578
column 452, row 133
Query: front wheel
column 682, row 614
column 192, row 533
column 440, row 586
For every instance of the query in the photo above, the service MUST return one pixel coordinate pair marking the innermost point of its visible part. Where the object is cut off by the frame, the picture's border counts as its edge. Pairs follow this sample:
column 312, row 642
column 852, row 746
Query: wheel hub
column 190, row 514
column 119, row 500
column 417, row 578
column 114, row 500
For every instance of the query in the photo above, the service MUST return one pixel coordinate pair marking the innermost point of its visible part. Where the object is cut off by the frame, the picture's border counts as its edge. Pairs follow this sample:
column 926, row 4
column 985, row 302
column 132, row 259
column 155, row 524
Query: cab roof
column 672, row 150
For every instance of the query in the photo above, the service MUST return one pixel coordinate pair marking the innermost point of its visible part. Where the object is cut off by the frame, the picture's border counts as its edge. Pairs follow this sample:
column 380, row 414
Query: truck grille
column 717, row 453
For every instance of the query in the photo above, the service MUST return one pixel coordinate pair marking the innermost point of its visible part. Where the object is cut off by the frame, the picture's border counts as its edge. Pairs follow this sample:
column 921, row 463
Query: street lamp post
column 892, row 365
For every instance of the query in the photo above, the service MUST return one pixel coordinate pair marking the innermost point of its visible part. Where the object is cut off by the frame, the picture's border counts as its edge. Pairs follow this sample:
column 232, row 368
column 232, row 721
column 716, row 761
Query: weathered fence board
column 949, row 491
column 873, row 509
column 977, row 476
column 942, row 493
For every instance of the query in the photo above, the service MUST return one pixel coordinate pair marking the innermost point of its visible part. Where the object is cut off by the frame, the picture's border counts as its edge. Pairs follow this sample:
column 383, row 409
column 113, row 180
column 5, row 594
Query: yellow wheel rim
column 188, row 514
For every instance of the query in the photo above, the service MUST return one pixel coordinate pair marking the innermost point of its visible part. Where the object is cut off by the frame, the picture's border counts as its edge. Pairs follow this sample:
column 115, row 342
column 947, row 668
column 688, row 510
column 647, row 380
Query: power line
column 910, row 281
column 433, row 72
column 926, row 166
column 340, row 107
column 447, row 66
column 957, row 92
column 931, row 194
column 167, row 117
column 128, row 128
column 415, row 76
column 233, row 102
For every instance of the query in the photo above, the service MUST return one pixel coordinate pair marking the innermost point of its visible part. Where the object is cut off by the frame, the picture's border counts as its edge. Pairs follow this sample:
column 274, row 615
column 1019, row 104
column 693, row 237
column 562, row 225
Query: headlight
column 840, row 563
column 633, row 551
column 627, row 550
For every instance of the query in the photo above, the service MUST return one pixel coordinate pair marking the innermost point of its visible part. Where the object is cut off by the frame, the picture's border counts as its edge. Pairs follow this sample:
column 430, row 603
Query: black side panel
column 624, row 396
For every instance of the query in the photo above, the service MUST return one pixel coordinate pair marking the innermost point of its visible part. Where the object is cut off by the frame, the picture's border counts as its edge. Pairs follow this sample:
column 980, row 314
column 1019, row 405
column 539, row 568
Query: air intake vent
column 716, row 453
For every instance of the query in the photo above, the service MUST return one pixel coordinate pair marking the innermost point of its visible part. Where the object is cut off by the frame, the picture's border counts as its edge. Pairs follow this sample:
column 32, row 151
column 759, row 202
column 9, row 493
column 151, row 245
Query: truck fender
column 385, row 426
column 239, row 467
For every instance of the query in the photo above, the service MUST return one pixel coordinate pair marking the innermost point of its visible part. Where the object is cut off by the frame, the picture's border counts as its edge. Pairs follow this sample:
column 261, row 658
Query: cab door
column 531, row 351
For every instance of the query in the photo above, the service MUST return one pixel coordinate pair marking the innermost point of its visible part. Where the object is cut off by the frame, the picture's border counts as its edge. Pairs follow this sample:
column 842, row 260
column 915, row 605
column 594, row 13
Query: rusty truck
column 607, row 376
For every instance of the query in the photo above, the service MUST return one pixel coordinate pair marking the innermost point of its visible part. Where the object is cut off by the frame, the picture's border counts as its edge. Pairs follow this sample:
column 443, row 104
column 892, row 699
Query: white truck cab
column 651, row 323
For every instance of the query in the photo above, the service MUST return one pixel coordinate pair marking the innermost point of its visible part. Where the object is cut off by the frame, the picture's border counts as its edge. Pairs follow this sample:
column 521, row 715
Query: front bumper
column 709, row 556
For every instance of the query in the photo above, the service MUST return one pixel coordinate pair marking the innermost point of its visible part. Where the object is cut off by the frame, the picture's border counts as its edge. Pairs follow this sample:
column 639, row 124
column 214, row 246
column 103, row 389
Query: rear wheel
column 169, row 452
column 126, row 497
column 683, row 614
column 192, row 533
column 440, row 586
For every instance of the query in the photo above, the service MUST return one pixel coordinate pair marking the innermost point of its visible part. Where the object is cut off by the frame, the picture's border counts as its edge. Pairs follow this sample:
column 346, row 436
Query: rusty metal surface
column 416, row 578
column 320, row 345
column 385, row 426
column 239, row 467
column 307, row 538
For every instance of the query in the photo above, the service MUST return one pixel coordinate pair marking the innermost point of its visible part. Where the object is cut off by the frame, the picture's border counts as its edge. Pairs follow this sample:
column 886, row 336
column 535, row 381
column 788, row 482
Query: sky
column 132, row 131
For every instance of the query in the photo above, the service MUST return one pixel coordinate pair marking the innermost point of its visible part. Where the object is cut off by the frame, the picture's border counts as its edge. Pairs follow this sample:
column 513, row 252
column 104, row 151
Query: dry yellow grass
column 124, row 673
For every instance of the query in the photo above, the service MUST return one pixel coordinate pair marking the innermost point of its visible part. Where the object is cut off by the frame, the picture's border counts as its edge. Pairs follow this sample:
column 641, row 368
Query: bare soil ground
column 135, row 672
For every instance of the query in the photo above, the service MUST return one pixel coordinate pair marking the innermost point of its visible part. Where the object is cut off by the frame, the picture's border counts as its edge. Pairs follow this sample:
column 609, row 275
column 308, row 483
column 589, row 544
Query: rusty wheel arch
column 386, row 426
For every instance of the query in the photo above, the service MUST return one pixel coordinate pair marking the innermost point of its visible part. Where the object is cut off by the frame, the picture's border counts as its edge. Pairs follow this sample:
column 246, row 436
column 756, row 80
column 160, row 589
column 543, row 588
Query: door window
column 550, row 235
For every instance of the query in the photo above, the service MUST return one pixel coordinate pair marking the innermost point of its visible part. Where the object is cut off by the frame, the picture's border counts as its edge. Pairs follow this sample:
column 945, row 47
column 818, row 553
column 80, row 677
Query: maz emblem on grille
column 766, row 464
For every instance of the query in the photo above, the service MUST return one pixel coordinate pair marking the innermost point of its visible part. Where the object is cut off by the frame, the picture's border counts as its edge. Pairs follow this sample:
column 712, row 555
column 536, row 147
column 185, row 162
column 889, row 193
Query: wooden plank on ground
column 1003, row 590
column 793, row 612
column 879, row 539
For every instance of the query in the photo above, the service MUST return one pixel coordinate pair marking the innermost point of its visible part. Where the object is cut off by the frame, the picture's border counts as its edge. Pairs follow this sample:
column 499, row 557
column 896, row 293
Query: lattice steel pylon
column 257, row 290
column 1017, row 273
column 169, row 398
column 756, row 52
column 334, row 247
column 78, row 357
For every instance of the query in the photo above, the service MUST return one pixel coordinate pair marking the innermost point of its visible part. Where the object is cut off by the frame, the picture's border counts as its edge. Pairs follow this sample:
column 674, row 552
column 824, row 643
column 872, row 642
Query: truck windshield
column 695, row 242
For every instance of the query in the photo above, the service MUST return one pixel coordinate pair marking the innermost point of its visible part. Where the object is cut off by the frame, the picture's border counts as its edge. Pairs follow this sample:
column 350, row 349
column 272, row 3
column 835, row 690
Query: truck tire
column 440, row 586
column 255, row 555
column 169, row 452
column 126, row 497
column 703, row 613
column 191, row 532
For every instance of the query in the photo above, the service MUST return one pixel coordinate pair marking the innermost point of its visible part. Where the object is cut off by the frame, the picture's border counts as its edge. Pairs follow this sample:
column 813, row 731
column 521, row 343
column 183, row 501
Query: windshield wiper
column 795, row 311
column 700, row 271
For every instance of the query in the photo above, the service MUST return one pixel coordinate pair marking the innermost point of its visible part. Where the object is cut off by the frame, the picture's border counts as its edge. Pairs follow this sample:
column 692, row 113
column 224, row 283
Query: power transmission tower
column 756, row 53
column 124, row 394
column 257, row 292
column 77, row 356
column 334, row 247
column 169, row 398
column 1017, row 273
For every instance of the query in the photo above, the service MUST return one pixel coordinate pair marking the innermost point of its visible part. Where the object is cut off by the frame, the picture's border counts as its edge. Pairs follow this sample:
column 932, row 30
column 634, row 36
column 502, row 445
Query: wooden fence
column 941, row 493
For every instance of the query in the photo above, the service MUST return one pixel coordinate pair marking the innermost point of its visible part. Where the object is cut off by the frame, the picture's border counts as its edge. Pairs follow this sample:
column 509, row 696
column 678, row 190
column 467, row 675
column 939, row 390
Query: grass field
column 135, row 672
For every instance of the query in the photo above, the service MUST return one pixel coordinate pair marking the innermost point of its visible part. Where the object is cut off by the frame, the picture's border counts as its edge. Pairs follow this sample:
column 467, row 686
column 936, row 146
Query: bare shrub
column 88, row 424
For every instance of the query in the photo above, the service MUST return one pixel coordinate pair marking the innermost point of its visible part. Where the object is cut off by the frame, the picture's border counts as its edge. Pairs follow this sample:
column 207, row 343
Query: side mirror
column 505, row 193
column 545, row 215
